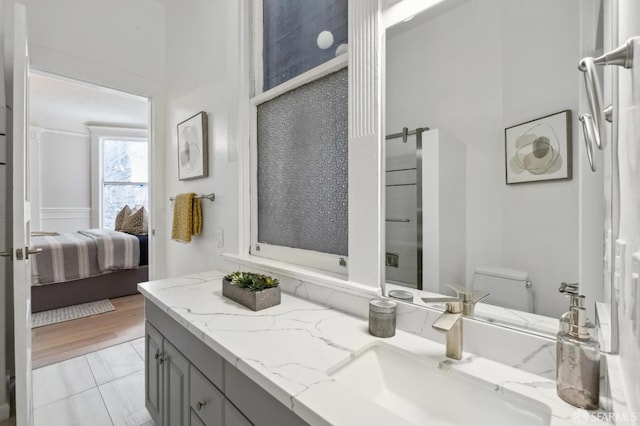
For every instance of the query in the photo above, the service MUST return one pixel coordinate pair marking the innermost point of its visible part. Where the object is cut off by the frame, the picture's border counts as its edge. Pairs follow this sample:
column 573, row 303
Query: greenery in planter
column 251, row 281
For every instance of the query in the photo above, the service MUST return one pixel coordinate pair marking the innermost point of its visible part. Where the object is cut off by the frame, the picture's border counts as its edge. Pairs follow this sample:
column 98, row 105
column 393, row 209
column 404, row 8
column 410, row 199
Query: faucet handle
column 440, row 299
column 468, row 296
column 454, row 305
column 446, row 322
column 569, row 288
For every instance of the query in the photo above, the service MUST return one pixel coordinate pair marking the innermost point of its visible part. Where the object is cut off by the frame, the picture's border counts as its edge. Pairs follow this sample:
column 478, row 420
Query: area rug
column 69, row 313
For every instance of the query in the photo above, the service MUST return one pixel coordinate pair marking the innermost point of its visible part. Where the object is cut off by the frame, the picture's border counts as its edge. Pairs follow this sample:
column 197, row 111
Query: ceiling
column 63, row 104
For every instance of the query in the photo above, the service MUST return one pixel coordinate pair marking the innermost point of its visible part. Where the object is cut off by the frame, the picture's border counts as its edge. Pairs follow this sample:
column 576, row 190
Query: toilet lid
column 494, row 271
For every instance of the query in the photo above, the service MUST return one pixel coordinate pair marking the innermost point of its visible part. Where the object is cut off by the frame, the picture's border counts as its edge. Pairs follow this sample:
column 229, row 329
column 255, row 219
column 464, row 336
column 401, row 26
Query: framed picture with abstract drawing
column 539, row 150
column 193, row 161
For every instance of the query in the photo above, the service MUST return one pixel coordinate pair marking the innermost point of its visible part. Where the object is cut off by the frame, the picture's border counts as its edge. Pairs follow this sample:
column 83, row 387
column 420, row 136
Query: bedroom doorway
column 90, row 151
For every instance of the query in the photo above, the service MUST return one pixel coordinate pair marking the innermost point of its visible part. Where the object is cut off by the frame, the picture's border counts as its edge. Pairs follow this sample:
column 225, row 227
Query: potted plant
column 255, row 291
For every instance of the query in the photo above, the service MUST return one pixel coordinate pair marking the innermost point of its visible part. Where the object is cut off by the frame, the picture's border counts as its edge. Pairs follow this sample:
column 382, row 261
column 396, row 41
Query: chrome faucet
column 469, row 299
column 450, row 323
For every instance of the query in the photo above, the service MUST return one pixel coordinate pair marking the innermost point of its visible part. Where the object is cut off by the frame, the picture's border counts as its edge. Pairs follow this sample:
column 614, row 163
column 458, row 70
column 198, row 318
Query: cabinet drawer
column 205, row 399
column 255, row 403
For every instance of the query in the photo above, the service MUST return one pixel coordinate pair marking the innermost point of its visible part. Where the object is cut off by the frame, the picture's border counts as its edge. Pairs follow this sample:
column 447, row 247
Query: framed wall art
column 539, row 150
column 193, row 161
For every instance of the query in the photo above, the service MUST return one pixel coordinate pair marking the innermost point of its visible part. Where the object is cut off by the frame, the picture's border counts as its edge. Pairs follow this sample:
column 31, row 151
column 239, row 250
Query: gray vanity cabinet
column 166, row 381
column 188, row 383
column 195, row 420
column 153, row 373
column 175, row 387
column 233, row 417
column 205, row 399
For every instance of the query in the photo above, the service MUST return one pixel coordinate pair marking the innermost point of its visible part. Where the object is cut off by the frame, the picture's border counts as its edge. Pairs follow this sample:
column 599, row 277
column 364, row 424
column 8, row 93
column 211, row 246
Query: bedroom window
column 300, row 144
column 119, row 172
column 125, row 174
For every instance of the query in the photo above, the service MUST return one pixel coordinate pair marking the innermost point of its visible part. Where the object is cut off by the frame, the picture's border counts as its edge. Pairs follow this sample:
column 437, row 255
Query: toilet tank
column 508, row 288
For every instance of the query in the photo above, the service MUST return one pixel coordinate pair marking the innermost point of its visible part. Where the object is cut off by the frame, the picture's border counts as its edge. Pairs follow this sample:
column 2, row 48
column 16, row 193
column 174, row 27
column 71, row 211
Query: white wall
column 202, row 75
column 472, row 72
column 120, row 37
column 539, row 80
column 629, row 156
column 118, row 44
column 64, row 181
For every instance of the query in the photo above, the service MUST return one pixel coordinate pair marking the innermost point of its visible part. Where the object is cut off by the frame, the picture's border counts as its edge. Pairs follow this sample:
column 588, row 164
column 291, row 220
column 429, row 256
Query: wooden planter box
column 256, row 301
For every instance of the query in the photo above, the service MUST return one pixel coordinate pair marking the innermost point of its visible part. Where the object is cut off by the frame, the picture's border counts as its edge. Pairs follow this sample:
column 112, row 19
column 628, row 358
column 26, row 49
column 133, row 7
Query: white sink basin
column 423, row 394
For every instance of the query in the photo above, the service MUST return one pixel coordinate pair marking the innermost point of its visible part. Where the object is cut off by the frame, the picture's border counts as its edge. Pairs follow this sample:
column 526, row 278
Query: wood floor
column 65, row 340
column 8, row 422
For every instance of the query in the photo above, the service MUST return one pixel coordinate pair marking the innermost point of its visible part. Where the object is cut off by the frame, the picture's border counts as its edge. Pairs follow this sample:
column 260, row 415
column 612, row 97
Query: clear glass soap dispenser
column 578, row 362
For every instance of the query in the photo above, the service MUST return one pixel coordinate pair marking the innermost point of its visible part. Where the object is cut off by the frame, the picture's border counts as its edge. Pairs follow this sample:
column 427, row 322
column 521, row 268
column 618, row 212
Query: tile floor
column 101, row 388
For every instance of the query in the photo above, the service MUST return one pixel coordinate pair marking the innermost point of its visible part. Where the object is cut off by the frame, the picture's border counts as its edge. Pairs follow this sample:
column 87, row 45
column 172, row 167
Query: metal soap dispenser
column 578, row 362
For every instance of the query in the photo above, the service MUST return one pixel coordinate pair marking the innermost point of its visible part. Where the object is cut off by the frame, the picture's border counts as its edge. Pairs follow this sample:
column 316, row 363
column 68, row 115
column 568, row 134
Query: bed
column 86, row 266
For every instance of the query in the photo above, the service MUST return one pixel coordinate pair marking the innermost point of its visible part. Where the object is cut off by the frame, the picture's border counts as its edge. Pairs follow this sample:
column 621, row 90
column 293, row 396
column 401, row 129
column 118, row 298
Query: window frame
column 366, row 148
column 331, row 263
column 98, row 135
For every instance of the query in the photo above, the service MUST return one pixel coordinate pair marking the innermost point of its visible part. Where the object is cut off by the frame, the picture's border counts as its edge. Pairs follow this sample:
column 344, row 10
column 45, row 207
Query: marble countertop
column 288, row 350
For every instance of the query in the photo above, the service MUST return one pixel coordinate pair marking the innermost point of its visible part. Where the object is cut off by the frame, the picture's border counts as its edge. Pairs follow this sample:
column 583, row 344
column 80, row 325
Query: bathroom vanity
column 214, row 362
column 194, row 385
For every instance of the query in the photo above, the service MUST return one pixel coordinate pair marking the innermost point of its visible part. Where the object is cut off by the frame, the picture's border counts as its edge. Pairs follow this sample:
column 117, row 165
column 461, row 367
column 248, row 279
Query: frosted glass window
column 125, row 170
column 299, row 35
column 302, row 167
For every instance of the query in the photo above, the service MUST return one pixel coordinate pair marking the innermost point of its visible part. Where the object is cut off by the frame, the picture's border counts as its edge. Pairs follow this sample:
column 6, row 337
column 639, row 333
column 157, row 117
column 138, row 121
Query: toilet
column 508, row 288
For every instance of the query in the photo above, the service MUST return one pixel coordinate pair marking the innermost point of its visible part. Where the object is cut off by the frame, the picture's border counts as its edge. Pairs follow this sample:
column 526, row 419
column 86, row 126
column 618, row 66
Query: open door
column 17, row 69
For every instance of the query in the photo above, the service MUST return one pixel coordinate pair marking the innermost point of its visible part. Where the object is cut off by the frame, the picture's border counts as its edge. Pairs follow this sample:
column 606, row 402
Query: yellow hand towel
column 187, row 217
column 196, row 225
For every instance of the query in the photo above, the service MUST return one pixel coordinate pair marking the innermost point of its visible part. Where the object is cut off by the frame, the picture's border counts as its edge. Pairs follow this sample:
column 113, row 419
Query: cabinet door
column 175, row 387
column 152, row 379
column 233, row 417
column 195, row 420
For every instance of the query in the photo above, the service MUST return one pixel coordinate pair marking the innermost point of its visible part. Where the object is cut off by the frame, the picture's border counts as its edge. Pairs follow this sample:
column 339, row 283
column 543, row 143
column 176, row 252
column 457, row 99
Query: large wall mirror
column 476, row 92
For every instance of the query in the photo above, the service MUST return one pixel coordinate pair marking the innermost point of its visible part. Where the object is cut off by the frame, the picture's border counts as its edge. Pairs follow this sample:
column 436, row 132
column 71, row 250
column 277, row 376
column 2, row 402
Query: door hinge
column 19, row 254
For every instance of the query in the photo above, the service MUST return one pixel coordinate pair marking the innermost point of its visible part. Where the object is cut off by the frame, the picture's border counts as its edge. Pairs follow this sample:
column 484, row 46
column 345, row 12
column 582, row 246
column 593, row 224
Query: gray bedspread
column 116, row 250
column 83, row 254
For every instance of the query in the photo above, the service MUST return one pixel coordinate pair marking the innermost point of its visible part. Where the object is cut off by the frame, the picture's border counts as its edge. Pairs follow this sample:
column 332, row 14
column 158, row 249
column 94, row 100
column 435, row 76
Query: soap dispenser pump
column 575, row 300
column 578, row 362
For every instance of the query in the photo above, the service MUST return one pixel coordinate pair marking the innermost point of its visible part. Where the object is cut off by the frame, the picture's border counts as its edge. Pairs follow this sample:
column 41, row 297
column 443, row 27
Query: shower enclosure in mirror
column 457, row 75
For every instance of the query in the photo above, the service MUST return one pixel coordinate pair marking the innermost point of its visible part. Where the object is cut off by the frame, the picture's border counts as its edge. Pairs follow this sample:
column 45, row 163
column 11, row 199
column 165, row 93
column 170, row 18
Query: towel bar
column 210, row 197
column 593, row 123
